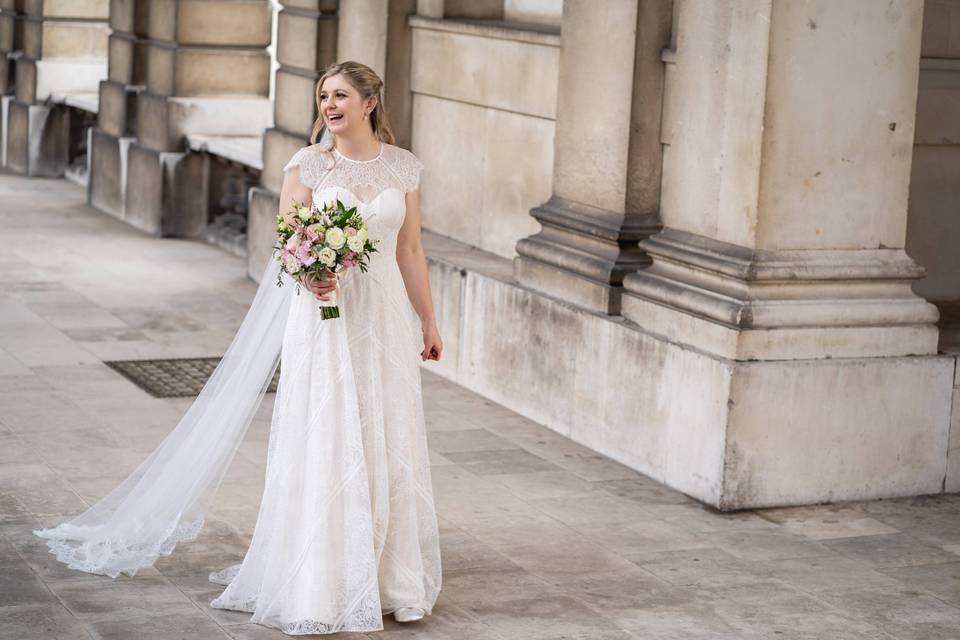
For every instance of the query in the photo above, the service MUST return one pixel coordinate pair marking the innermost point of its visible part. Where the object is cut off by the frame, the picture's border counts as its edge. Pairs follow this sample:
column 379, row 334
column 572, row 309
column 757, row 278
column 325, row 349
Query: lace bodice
column 394, row 167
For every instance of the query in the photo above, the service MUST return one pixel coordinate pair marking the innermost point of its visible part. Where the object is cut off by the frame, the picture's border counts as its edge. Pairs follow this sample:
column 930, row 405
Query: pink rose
column 303, row 254
column 314, row 232
column 292, row 243
column 350, row 231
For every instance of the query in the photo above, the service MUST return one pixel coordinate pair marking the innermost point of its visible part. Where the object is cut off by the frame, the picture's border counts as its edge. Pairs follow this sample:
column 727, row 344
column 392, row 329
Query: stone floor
column 541, row 538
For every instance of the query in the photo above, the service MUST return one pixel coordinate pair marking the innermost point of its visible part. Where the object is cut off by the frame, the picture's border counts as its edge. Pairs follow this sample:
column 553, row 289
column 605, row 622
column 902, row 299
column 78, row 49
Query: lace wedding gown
column 347, row 530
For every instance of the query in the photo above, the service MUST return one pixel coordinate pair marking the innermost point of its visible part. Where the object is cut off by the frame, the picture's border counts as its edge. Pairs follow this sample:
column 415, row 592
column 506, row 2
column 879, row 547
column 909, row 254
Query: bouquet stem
column 327, row 313
column 329, row 308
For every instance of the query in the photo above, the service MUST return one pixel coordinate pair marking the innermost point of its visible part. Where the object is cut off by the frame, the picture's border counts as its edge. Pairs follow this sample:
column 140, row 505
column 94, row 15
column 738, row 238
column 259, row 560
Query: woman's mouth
column 336, row 117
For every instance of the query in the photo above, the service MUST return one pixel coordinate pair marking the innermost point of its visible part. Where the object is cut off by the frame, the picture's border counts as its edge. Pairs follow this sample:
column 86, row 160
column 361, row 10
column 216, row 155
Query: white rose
column 304, row 213
column 362, row 233
column 327, row 256
column 355, row 243
column 335, row 237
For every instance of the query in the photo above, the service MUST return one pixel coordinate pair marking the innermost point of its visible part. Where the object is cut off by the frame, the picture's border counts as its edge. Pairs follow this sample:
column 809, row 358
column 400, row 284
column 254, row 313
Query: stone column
column 116, row 119
column 786, row 173
column 788, row 133
column 11, row 43
column 207, row 73
column 933, row 225
column 606, row 171
column 64, row 51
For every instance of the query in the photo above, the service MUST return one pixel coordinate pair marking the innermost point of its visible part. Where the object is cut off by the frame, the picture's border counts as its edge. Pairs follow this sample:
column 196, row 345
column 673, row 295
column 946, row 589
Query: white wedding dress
column 347, row 530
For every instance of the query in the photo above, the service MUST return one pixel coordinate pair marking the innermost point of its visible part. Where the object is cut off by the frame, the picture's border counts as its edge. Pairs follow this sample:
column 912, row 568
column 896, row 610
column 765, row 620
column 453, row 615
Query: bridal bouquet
column 319, row 242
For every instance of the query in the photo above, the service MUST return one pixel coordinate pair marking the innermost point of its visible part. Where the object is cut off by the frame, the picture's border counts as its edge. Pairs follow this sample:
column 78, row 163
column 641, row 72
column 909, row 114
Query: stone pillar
column 785, row 185
column 207, row 73
column 312, row 34
column 11, row 44
column 933, row 225
column 606, row 172
column 788, row 132
column 64, row 51
column 116, row 119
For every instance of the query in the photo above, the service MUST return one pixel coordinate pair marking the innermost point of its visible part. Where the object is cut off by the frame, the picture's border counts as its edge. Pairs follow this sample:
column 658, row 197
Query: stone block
column 37, row 79
column 163, row 122
column 6, row 78
column 507, row 69
column 243, row 23
column 128, row 59
column 295, row 103
column 166, row 192
column 118, row 109
column 278, row 147
column 261, row 229
column 6, row 32
column 108, row 172
column 65, row 39
column 25, row 79
column 810, row 431
column 37, row 139
column 86, row 9
column 203, row 72
column 306, row 42
column 122, row 14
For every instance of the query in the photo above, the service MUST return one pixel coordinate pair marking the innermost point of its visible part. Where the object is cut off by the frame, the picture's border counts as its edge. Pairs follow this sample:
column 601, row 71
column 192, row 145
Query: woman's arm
column 413, row 267
column 292, row 189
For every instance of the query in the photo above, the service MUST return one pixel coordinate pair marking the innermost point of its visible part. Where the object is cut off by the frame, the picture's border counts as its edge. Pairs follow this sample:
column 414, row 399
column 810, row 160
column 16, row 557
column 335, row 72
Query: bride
column 347, row 529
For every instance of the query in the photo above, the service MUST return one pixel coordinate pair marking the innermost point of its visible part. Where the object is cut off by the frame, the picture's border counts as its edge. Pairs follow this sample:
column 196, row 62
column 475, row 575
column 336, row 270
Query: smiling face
column 342, row 107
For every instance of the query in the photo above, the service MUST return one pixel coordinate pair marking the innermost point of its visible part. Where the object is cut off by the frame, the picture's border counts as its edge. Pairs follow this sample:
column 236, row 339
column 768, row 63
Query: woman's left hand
column 432, row 345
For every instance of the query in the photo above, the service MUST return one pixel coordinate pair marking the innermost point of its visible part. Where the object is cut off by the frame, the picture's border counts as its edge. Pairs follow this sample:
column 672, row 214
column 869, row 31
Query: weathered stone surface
column 107, row 187
column 307, row 42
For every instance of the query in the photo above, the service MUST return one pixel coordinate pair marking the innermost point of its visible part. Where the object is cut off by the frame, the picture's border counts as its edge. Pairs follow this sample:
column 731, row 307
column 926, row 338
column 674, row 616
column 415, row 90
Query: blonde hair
column 367, row 83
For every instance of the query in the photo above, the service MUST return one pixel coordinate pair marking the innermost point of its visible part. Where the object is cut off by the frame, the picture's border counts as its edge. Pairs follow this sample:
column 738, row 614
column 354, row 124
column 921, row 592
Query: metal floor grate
column 175, row 378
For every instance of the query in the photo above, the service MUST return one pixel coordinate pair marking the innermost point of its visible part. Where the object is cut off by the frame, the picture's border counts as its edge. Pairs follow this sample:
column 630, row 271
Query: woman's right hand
column 318, row 287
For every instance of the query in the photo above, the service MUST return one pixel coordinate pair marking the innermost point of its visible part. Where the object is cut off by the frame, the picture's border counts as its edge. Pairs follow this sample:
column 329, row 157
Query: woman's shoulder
column 310, row 157
column 405, row 164
column 402, row 157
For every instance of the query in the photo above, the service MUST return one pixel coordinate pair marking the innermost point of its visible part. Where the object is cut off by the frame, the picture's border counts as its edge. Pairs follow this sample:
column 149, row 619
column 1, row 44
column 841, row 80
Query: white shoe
column 408, row 614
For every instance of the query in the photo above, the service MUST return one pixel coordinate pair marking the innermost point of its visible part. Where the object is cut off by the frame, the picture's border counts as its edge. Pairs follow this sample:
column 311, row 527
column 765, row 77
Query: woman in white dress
column 347, row 530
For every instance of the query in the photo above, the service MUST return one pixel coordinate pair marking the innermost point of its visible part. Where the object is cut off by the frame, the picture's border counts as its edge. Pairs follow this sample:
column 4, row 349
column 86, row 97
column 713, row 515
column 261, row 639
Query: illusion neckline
column 337, row 151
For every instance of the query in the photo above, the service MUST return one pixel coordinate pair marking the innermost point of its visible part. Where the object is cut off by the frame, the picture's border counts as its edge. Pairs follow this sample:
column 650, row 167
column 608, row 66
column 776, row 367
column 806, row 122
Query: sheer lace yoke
column 393, row 168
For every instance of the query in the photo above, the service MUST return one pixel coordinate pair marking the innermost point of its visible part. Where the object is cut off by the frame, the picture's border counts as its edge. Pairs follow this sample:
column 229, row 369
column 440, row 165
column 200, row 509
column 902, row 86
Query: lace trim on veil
column 163, row 502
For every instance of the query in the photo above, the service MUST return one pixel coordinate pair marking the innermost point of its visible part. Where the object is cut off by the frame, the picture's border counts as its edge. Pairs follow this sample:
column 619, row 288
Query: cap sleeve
column 308, row 159
column 412, row 167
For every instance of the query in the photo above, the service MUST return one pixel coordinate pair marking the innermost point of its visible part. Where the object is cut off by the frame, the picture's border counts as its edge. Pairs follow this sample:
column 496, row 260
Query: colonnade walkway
column 541, row 538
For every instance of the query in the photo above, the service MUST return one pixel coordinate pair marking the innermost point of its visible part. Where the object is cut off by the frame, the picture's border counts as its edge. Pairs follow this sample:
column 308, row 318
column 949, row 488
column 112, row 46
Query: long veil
column 164, row 500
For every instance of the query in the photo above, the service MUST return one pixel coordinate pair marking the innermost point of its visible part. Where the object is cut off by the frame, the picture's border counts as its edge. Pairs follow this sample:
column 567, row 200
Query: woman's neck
column 362, row 147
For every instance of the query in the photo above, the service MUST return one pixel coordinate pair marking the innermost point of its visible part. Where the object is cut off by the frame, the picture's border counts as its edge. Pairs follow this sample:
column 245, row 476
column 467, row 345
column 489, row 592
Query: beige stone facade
column 714, row 240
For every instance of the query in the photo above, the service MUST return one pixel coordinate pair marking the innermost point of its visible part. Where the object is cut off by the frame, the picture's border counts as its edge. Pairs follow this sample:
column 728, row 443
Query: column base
column 753, row 305
column 37, row 138
column 582, row 253
column 166, row 193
